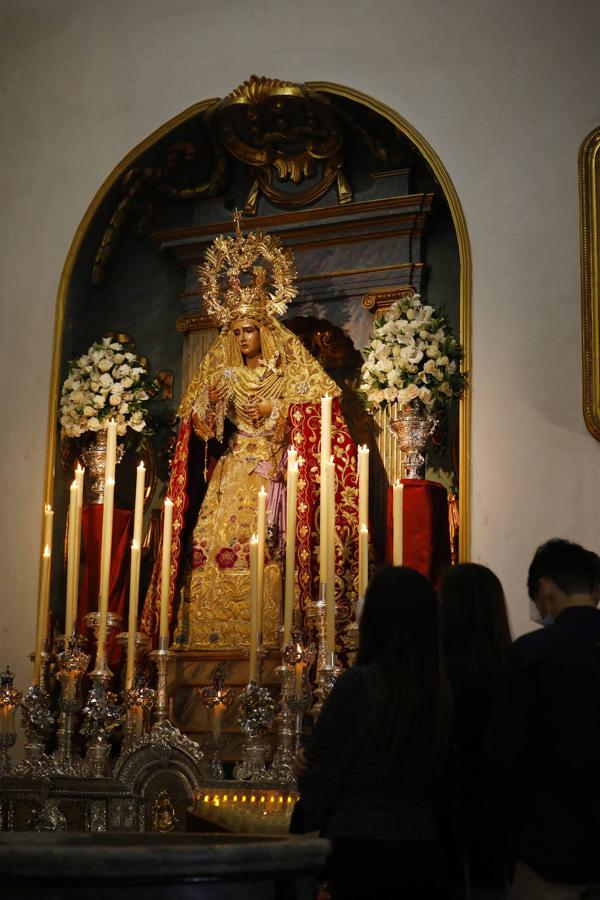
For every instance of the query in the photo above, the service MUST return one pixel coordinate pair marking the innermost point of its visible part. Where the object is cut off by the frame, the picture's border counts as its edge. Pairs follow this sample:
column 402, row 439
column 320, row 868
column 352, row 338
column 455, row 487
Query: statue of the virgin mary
column 260, row 384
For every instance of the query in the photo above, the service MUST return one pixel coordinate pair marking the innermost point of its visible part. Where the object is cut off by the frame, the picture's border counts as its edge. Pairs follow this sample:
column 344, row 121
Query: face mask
column 536, row 616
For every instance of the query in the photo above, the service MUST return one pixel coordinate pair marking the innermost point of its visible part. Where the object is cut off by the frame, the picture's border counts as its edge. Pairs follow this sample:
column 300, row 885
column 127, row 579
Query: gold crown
column 246, row 275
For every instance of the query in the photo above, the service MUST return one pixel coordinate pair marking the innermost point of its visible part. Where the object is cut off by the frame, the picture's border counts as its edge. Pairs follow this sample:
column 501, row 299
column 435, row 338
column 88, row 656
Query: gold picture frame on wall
column 589, row 199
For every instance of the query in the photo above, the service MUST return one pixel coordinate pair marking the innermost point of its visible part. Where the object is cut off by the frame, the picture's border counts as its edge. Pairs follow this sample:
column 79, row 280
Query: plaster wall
column 504, row 92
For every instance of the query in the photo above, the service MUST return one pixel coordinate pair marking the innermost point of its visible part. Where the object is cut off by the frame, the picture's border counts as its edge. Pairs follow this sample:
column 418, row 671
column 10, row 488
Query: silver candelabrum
column 217, row 699
column 257, row 710
column 296, row 698
column 73, row 662
column 38, row 720
column 102, row 715
column 327, row 670
column 138, row 701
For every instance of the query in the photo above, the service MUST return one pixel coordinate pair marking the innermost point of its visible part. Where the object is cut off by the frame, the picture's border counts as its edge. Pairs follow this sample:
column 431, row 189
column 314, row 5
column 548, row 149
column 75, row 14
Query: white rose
column 115, row 346
column 425, row 395
column 93, row 424
column 137, row 426
column 433, row 351
column 451, row 367
column 122, row 428
column 413, row 356
column 98, row 401
column 88, row 411
column 105, row 365
column 83, row 362
column 429, row 367
column 118, row 359
column 124, row 408
column 376, row 395
column 114, row 400
column 410, row 314
column 442, row 361
column 96, row 356
column 106, row 380
column 412, row 392
column 130, row 357
column 117, row 388
column 77, row 397
column 446, row 389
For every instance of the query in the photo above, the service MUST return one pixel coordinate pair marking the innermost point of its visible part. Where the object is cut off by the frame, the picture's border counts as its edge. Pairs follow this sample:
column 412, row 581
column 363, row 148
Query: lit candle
column 330, row 472
column 253, row 604
column 398, row 513
column 71, row 541
column 290, row 545
column 111, row 449
column 43, row 606
column 363, row 560
column 134, row 578
column 138, row 514
column 325, row 429
column 298, row 674
column 217, row 718
column 166, row 569
column 79, row 478
column 262, row 533
column 48, row 520
column 363, row 486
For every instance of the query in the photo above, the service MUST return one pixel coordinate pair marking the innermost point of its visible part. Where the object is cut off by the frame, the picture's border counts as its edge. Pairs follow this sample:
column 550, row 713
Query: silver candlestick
column 37, row 720
column 295, row 700
column 257, row 709
column 102, row 715
column 72, row 663
column 327, row 671
column 138, row 701
column 217, row 699
column 161, row 658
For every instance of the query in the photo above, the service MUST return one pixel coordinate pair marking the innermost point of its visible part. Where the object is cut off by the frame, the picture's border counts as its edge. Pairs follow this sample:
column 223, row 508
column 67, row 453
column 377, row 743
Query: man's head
column 562, row 574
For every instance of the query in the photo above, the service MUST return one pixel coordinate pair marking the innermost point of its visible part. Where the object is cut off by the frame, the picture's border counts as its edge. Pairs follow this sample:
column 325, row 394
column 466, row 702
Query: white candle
column 165, row 578
column 138, row 515
column 43, row 606
column 363, row 486
column 325, row 429
column 290, row 545
column 79, row 478
column 217, row 718
column 134, row 582
column 363, row 560
column 253, row 605
column 398, row 519
column 105, row 556
column 330, row 472
column 262, row 533
column 48, row 520
column 111, row 449
column 71, row 542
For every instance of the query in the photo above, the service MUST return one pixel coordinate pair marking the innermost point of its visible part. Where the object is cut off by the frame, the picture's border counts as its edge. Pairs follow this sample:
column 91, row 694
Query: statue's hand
column 255, row 409
column 216, row 392
column 202, row 429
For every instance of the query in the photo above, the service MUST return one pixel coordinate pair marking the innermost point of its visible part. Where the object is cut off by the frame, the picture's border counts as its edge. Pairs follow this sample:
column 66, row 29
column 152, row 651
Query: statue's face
column 247, row 336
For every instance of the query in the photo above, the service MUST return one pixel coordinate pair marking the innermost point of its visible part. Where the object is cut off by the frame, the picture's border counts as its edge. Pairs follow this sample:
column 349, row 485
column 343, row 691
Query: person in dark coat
column 545, row 735
column 476, row 639
column 372, row 766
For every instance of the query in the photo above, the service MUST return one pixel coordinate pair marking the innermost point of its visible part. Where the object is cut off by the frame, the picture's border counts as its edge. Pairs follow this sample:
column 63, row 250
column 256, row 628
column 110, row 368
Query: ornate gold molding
column 589, row 200
column 376, row 301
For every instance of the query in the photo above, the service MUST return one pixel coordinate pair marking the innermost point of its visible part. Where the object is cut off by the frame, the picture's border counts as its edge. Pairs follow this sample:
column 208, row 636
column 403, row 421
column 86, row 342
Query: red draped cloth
column 426, row 532
column 91, row 538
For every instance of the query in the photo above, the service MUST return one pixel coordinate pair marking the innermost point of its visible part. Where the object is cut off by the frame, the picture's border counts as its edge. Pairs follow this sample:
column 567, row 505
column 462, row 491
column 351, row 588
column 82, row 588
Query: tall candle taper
column 290, row 545
column 134, row 584
column 325, row 429
column 363, row 560
column 105, row 556
column 79, row 478
column 43, row 606
column 253, row 605
column 363, row 486
column 262, row 530
column 165, row 576
column 71, row 545
column 398, row 511
column 330, row 470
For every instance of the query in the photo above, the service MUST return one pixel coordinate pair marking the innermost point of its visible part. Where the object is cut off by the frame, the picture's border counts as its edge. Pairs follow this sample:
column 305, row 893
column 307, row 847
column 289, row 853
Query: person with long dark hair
column 477, row 641
column 379, row 747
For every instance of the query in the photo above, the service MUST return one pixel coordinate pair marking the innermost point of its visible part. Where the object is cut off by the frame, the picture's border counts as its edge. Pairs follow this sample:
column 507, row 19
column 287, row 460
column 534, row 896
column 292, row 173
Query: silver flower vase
column 94, row 460
column 412, row 428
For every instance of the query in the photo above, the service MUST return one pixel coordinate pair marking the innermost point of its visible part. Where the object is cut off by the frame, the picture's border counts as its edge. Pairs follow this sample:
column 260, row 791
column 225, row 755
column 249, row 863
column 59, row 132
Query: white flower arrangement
column 412, row 356
column 107, row 382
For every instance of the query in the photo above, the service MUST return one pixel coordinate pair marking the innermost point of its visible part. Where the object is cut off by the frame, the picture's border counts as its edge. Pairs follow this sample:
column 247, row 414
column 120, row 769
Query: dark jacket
column 346, row 792
column 545, row 742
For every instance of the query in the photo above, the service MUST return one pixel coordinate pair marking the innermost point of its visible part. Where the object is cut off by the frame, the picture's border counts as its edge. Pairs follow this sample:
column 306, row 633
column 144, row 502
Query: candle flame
column 168, row 502
column 141, row 467
column 397, row 483
column 79, row 468
column 110, row 481
column 46, row 552
column 135, row 545
column 254, row 539
column 47, row 508
column 364, row 529
column 74, row 485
